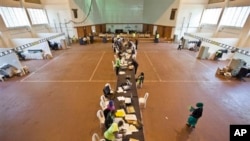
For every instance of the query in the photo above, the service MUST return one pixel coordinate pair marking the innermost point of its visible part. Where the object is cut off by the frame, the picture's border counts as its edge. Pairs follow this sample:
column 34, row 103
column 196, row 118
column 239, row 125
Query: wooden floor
column 59, row 99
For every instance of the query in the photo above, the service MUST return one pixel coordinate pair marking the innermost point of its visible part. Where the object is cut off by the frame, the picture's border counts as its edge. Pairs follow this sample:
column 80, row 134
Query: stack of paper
column 120, row 113
column 117, row 119
column 120, row 90
column 132, row 128
column 130, row 117
column 130, row 109
column 132, row 139
column 121, row 72
column 121, row 98
column 127, row 100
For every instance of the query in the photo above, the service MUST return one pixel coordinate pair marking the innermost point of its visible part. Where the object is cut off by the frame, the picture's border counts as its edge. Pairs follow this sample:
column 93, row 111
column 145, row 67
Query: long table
column 131, row 93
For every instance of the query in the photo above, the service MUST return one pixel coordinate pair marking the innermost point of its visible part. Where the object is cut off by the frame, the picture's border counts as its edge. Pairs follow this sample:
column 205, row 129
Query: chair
column 103, row 105
column 104, row 99
column 95, row 137
column 143, row 100
column 101, row 118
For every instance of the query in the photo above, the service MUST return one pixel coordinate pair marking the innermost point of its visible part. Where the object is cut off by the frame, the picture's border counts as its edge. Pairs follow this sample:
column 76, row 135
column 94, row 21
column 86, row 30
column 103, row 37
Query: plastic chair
column 101, row 118
column 95, row 137
column 143, row 100
column 103, row 98
column 103, row 105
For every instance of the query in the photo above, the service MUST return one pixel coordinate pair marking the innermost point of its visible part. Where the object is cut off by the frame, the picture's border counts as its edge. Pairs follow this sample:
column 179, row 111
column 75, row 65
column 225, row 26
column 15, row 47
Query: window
column 211, row 16
column 235, row 16
column 14, row 17
column 172, row 15
column 37, row 16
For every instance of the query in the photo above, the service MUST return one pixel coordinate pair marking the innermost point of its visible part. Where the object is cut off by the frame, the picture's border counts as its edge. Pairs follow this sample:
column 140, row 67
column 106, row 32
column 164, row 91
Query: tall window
column 14, row 17
column 235, row 16
column 211, row 16
column 37, row 16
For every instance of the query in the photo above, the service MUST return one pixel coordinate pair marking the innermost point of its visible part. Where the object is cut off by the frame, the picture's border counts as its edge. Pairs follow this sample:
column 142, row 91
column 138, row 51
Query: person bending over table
column 135, row 64
column 110, row 107
column 113, row 131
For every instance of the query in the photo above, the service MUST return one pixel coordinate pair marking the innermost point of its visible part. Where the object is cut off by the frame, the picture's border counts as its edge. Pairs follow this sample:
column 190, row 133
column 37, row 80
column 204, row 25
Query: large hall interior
column 58, row 58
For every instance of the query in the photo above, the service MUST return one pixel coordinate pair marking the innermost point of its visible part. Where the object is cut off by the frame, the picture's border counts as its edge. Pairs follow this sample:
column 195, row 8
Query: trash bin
column 175, row 38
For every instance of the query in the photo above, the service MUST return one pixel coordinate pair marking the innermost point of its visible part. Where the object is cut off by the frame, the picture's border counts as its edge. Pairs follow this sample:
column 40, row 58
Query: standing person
column 91, row 38
column 113, row 131
column 140, row 80
column 180, row 44
column 135, row 64
column 157, row 36
column 117, row 64
column 195, row 115
column 136, row 43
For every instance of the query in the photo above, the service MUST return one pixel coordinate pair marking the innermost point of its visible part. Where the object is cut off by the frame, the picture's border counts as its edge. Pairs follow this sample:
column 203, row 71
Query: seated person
column 109, row 119
column 107, row 91
column 242, row 73
column 110, row 107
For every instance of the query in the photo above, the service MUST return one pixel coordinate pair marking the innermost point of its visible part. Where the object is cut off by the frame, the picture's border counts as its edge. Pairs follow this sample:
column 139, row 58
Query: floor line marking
column 97, row 66
column 148, row 81
column 67, row 81
column 29, row 75
column 200, row 62
column 158, row 76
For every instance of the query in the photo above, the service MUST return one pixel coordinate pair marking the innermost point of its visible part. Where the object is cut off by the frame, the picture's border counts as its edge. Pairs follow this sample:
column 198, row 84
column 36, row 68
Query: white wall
column 229, row 32
column 40, row 29
column 59, row 13
column 189, row 15
column 244, row 57
column 36, row 44
column 57, row 37
column 213, row 46
column 96, row 13
column 11, row 59
column 158, row 12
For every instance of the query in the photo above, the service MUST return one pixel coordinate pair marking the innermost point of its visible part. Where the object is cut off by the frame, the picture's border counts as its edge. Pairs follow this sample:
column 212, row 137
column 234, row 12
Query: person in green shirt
column 117, row 64
column 113, row 131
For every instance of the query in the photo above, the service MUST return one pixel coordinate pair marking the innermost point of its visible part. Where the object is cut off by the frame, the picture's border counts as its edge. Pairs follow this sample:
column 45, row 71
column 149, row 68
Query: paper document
column 130, row 117
column 132, row 139
column 120, row 113
column 127, row 100
column 132, row 128
column 130, row 109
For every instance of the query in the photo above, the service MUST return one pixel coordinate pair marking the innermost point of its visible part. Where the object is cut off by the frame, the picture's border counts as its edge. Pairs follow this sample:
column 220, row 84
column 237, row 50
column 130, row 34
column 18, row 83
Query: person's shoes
column 188, row 125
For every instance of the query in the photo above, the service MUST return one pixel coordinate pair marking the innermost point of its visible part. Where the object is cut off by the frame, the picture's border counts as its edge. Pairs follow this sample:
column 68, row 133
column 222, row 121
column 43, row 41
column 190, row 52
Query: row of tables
column 132, row 95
